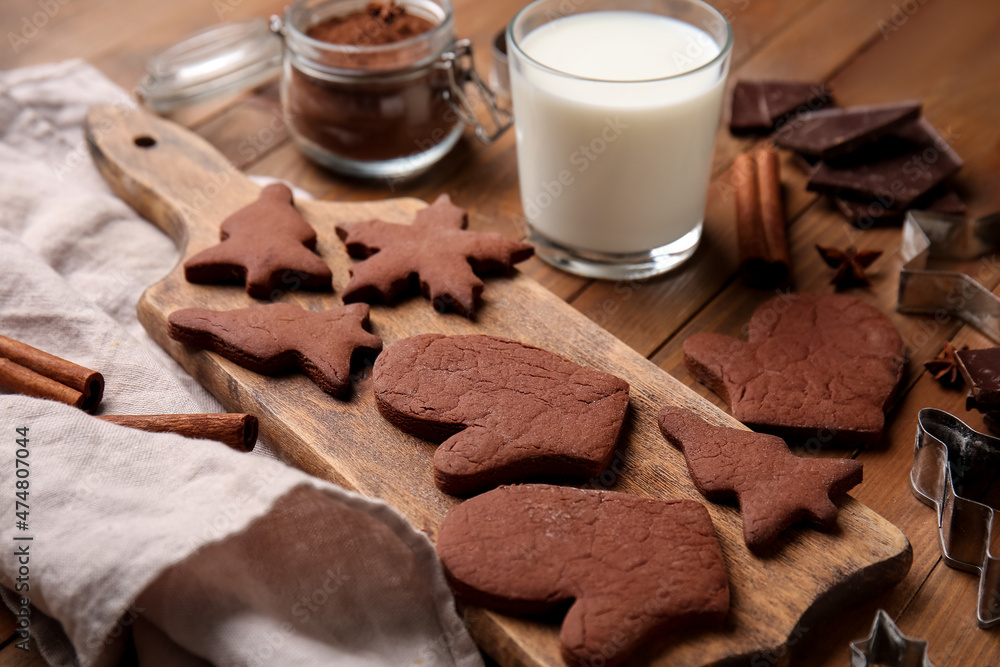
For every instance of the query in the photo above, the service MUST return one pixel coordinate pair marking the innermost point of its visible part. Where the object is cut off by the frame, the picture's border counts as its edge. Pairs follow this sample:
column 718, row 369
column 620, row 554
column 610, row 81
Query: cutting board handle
column 169, row 175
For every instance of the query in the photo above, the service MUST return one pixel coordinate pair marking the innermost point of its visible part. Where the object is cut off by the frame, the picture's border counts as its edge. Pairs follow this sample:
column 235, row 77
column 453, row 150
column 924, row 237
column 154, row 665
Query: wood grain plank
column 982, row 181
column 485, row 179
column 944, row 613
column 118, row 37
column 341, row 441
column 947, row 100
column 249, row 129
column 812, row 48
column 126, row 31
column 887, row 486
column 886, row 481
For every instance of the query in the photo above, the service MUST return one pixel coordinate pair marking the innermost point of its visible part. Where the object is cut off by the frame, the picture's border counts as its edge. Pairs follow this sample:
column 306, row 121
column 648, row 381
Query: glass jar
column 377, row 111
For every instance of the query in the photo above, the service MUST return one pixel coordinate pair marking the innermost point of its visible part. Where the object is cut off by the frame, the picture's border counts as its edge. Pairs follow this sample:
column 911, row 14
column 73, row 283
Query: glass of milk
column 616, row 106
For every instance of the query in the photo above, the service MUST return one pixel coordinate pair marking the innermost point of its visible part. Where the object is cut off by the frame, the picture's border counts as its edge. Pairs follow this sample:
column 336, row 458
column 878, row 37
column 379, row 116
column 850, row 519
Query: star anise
column 944, row 368
column 850, row 265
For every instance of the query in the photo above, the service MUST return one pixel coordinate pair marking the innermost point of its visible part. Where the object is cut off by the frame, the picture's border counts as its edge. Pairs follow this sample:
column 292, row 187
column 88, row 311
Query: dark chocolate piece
column 898, row 168
column 759, row 105
column 502, row 410
column 831, row 133
column 822, row 366
column 281, row 338
column 268, row 245
column 869, row 213
column 633, row 567
column 775, row 488
column 981, row 370
column 436, row 249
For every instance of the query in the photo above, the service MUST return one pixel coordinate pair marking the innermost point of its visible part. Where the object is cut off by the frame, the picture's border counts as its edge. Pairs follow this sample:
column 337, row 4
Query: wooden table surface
column 943, row 52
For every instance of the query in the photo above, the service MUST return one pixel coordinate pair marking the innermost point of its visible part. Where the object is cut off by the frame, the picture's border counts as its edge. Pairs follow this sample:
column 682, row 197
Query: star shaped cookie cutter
column 887, row 645
column 932, row 237
column 954, row 468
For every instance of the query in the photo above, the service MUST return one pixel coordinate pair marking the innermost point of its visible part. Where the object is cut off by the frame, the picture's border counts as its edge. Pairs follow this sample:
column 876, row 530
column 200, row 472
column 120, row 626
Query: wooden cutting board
column 184, row 186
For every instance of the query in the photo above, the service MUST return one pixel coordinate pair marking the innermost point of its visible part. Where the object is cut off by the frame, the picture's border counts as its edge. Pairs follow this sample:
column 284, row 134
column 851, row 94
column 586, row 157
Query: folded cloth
column 205, row 555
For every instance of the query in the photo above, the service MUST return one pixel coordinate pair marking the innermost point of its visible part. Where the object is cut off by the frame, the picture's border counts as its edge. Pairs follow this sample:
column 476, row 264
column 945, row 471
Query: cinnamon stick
column 19, row 379
column 89, row 384
column 760, row 219
column 235, row 430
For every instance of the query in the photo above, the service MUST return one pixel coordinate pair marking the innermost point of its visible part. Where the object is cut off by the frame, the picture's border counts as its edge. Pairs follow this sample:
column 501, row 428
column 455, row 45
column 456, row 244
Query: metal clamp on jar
column 389, row 103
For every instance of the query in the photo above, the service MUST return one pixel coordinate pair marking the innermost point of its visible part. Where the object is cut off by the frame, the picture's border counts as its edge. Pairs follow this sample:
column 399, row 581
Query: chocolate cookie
column 775, row 488
column 268, row 245
column 502, row 410
column 634, row 567
column 281, row 338
column 435, row 251
column 822, row 366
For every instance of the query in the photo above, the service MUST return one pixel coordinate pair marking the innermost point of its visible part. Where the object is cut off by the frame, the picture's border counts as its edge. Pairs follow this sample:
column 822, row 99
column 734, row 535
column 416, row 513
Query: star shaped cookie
column 280, row 338
column 775, row 488
column 268, row 245
column 436, row 252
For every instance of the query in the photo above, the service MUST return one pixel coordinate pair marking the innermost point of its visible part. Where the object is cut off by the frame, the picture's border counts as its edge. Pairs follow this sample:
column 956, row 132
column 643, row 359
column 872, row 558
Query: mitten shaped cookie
column 634, row 567
column 502, row 410
column 822, row 366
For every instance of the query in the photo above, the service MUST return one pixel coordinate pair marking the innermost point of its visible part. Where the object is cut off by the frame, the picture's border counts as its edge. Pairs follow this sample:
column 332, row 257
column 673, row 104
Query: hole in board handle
column 145, row 142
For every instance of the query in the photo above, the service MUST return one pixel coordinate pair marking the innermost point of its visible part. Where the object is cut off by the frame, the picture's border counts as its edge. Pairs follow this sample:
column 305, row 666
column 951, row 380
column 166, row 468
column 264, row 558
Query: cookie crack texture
column 502, row 410
column 634, row 567
column 813, row 363
column 775, row 488
column 437, row 249
column 280, row 338
column 260, row 245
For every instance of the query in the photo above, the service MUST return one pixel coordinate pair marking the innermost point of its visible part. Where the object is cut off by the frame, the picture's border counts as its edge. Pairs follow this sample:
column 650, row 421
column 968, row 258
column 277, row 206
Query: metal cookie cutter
column 886, row 645
column 929, row 236
column 954, row 468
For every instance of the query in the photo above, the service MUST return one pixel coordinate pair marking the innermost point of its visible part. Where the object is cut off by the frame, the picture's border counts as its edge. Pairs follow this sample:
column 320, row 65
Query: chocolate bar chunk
column 758, row 105
column 981, row 370
column 830, row 133
column 897, row 169
column 868, row 213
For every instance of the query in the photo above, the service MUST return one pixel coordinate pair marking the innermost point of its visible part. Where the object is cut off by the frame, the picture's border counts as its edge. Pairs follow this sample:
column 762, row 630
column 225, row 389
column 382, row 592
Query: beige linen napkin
column 205, row 555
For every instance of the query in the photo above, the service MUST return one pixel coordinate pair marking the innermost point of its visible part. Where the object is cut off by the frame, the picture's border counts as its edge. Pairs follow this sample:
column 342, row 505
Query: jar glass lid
column 225, row 59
